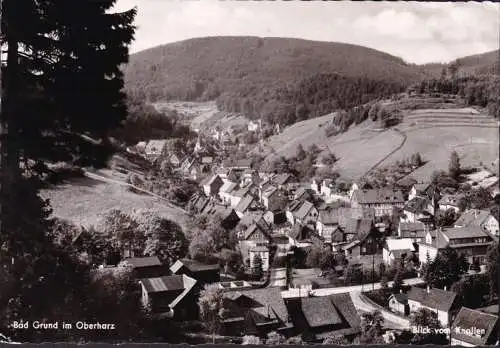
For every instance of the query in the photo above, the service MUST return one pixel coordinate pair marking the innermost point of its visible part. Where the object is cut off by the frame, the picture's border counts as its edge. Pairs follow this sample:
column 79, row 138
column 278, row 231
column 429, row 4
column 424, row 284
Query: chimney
column 428, row 289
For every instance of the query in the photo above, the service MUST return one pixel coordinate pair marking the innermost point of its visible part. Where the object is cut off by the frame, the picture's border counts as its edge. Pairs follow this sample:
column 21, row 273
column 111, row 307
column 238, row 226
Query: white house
column 395, row 248
column 213, row 185
column 441, row 302
column 225, row 191
column 154, row 148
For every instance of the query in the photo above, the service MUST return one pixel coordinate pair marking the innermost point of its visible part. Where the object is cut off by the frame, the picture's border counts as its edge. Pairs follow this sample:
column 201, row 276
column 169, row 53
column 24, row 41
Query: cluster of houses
column 272, row 213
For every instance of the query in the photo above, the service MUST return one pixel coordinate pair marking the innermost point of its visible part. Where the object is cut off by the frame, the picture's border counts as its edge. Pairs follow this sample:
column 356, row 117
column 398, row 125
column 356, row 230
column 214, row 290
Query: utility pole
column 373, row 272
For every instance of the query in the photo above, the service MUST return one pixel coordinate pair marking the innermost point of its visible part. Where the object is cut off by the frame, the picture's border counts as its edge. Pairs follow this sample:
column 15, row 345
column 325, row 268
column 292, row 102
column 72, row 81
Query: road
column 392, row 321
column 347, row 289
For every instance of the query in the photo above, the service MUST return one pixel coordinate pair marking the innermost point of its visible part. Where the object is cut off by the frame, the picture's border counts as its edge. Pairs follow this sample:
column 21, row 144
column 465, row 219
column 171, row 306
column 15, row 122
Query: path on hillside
column 399, row 147
column 121, row 183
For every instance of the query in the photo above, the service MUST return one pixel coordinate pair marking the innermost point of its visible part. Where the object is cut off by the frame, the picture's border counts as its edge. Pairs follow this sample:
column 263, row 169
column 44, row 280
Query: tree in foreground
column 371, row 328
column 425, row 318
column 212, row 312
column 492, row 269
column 445, row 269
column 61, row 74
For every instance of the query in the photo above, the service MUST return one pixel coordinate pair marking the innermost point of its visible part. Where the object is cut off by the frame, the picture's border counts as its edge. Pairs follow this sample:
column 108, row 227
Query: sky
column 417, row 32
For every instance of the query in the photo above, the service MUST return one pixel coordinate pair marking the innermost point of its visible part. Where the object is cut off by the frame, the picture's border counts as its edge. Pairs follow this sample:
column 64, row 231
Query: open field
column 84, row 201
column 434, row 133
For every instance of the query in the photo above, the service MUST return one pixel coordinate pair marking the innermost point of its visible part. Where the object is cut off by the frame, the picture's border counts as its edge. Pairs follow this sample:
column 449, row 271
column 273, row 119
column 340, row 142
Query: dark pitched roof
column 320, row 311
column 334, row 314
column 294, row 205
column 359, row 227
column 257, row 226
column 374, row 196
column 167, row 283
column 261, row 301
column 138, row 262
column 193, row 266
column 400, row 297
column 417, row 205
column 435, row 298
column 302, row 233
column 467, row 319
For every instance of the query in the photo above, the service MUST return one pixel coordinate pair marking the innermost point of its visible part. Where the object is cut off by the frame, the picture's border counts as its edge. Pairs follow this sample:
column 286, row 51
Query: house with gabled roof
column 197, row 203
column 304, row 236
column 394, row 249
column 174, row 160
column 225, row 191
column 301, row 212
column 450, row 202
column 415, row 231
column 418, row 209
column 444, row 303
column 272, row 198
column 212, row 185
column 321, row 317
column 170, row 296
column 473, row 242
column 145, row 267
column 246, row 204
column 255, row 312
column 424, row 190
column 362, row 237
column 304, row 194
column 473, row 328
column 479, row 218
column 385, row 201
column 328, row 226
column 202, row 273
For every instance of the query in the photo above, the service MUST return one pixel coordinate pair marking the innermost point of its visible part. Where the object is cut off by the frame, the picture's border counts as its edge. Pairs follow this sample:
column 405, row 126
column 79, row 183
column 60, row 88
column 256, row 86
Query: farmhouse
column 384, row 201
column 146, row 267
column 473, row 242
column 225, row 191
column 442, row 302
column 255, row 312
column 324, row 316
column 244, row 205
column 395, row 249
column 328, row 222
column 474, row 328
column 479, row 218
column 170, row 296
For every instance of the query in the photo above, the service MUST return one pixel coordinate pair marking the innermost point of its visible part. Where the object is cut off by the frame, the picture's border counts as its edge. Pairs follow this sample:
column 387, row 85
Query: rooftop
column 435, row 298
column 138, row 262
column 467, row 319
column 379, row 196
column 399, row 244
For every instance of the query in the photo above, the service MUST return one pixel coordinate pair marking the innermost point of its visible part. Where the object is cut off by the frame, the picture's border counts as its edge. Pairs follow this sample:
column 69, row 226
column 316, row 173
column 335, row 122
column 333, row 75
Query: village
column 313, row 260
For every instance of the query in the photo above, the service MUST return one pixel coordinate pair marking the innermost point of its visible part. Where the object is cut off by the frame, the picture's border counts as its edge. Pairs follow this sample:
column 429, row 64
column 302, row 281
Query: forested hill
column 268, row 76
column 479, row 64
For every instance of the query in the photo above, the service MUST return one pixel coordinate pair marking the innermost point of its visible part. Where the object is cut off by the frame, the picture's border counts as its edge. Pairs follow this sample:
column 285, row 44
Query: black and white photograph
column 249, row 172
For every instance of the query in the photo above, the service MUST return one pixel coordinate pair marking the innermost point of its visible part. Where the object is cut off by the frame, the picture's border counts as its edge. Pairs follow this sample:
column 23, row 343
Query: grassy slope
column 361, row 147
column 84, row 201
